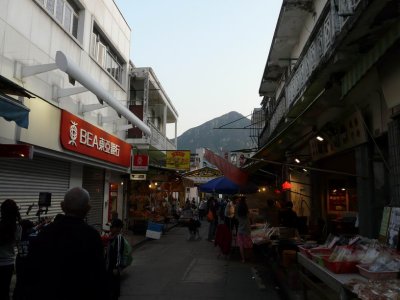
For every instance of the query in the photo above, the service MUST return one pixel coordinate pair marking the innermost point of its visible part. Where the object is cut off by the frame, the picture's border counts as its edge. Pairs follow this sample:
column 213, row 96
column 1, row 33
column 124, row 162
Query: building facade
column 330, row 102
column 65, row 95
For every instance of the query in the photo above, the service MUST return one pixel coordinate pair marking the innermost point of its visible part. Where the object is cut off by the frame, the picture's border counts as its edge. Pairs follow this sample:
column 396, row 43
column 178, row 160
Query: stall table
column 337, row 282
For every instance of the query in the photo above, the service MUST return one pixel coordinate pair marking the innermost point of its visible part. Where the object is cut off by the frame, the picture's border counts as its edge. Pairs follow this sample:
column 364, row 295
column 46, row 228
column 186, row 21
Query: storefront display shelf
column 308, row 251
column 384, row 275
column 337, row 282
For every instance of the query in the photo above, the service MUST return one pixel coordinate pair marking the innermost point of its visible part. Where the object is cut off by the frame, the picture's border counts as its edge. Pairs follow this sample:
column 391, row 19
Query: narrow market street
column 174, row 268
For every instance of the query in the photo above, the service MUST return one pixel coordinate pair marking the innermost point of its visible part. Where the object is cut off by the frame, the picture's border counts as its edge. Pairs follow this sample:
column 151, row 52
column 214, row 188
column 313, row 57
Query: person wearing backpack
column 118, row 257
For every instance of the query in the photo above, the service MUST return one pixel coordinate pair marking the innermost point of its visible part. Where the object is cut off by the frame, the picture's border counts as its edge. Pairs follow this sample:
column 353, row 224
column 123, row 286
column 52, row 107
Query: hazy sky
column 209, row 55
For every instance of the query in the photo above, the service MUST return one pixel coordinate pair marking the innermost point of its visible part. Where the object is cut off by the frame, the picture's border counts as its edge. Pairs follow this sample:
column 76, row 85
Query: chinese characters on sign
column 82, row 137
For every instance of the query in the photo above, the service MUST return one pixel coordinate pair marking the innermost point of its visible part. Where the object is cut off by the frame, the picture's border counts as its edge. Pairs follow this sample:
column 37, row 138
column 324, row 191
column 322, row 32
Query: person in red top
column 223, row 239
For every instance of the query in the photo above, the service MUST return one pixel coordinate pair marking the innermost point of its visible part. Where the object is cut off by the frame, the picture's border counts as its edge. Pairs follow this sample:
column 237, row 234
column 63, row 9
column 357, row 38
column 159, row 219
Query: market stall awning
column 12, row 110
column 223, row 185
column 232, row 172
column 10, row 88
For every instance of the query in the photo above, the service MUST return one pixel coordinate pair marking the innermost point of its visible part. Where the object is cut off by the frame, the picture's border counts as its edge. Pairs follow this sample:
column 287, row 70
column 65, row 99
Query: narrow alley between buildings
column 175, row 268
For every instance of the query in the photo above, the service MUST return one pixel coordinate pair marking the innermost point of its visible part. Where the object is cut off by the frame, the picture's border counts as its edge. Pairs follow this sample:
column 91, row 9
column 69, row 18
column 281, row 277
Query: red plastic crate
column 319, row 259
column 305, row 251
column 320, row 251
column 340, row 267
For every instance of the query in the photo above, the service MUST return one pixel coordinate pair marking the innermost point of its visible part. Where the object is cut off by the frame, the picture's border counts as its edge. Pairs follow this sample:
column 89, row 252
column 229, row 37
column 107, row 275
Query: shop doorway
column 112, row 202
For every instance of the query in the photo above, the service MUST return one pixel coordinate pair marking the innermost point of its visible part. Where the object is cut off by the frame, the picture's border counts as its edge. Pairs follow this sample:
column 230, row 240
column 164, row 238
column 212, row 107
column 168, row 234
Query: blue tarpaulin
column 11, row 110
column 223, row 185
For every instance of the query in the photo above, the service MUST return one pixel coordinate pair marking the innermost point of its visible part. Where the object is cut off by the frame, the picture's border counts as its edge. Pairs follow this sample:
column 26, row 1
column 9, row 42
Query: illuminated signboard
column 82, row 137
column 140, row 162
column 178, row 159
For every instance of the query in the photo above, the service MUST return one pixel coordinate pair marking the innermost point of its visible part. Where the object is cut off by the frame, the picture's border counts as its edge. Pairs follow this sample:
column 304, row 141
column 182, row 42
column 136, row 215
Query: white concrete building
column 64, row 96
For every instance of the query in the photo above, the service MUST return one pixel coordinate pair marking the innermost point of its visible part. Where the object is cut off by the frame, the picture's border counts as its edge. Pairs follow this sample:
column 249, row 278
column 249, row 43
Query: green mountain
column 219, row 140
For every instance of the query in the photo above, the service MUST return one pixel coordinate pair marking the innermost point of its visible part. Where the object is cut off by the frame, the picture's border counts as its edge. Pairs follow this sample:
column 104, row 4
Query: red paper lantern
column 286, row 185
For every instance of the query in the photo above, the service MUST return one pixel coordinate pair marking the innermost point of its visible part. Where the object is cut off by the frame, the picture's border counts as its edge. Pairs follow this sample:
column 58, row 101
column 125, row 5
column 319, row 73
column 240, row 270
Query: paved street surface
column 174, row 268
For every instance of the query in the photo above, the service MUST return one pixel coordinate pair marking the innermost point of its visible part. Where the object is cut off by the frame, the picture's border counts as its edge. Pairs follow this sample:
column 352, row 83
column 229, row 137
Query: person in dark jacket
column 287, row 216
column 66, row 259
column 10, row 233
column 213, row 221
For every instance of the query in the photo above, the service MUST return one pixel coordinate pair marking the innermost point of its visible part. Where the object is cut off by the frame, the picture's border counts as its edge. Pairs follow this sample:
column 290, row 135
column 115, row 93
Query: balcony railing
column 319, row 47
column 160, row 141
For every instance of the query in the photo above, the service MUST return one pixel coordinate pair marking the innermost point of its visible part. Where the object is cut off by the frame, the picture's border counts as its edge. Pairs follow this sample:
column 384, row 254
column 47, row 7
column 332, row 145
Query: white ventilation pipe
column 66, row 65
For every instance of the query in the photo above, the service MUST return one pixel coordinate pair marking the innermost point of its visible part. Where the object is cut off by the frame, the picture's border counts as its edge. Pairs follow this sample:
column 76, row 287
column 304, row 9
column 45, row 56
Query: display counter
column 337, row 282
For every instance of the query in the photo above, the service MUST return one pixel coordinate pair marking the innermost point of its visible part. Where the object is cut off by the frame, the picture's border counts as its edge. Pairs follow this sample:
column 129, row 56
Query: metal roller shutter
column 23, row 180
column 93, row 182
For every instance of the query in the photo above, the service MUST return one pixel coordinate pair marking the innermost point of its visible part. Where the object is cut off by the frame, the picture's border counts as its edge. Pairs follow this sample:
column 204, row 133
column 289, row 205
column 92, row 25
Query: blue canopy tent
column 223, row 185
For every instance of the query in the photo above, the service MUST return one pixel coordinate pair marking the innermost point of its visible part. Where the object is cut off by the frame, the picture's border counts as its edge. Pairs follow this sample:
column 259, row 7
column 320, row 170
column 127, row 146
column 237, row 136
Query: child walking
column 114, row 252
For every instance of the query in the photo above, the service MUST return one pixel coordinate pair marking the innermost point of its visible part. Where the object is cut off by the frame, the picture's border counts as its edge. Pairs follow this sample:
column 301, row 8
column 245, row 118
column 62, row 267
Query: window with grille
column 105, row 56
column 64, row 12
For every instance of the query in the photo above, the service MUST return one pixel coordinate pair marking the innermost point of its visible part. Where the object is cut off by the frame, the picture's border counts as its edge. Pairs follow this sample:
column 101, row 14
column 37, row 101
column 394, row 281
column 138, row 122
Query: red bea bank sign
column 80, row 136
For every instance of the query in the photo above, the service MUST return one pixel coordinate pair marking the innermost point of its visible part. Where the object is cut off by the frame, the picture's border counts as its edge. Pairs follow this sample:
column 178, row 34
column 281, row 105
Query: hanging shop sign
column 140, row 162
column 178, row 159
column 82, row 137
column 138, row 176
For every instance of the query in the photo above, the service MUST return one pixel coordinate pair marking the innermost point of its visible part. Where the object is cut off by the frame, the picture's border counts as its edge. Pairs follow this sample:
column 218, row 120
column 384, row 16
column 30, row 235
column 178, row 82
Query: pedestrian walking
column 193, row 226
column 66, row 259
column 223, row 239
column 114, row 254
column 10, row 233
column 202, row 209
column 212, row 218
column 244, row 232
column 230, row 218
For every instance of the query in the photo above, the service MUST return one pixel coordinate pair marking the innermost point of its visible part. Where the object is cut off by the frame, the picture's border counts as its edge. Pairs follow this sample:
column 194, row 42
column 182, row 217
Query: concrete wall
column 30, row 36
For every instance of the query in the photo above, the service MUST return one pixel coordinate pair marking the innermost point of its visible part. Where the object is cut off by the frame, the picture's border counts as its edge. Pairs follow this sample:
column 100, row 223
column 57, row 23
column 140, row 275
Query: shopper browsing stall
column 244, row 232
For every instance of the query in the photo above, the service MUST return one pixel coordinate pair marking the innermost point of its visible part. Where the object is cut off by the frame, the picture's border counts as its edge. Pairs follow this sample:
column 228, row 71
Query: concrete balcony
column 319, row 48
column 157, row 140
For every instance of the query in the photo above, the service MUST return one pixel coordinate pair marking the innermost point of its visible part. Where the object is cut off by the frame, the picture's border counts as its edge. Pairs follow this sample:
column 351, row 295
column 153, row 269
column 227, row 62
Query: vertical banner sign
column 79, row 136
column 178, row 160
column 140, row 162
